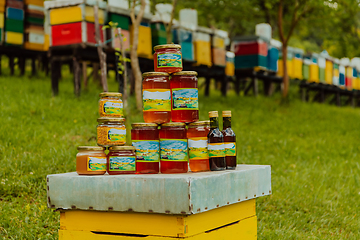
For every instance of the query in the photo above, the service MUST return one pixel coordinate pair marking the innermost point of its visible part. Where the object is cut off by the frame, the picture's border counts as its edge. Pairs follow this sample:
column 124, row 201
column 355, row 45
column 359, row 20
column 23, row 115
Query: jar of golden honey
column 111, row 132
column 184, row 94
column 110, row 105
column 168, row 58
column 173, row 148
column 197, row 141
column 145, row 139
column 90, row 160
column 156, row 97
column 121, row 160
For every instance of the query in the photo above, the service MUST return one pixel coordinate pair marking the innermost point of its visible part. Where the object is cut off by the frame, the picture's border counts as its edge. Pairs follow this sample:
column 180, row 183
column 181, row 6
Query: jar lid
column 213, row 114
column 155, row 74
column 122, row 148
column 226, row 113
column 200, row 123
column 144, row 125
column 173, row 124
column 110, row 94
column 185, row 73
column 167, row 46
column 90, row 148
column 108, row 119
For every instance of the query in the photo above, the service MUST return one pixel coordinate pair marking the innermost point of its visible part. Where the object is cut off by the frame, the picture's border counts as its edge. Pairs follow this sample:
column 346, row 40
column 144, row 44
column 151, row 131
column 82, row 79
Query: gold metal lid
column 110, row 94
column 226, row 113
column 185, row 73
column 144, row 125
column 167, row 46
column 90, row 148
column 155, row 74
column 200, row 123
column 122, row 148
column 213, row 114
column 173, row 124
column 108, row 119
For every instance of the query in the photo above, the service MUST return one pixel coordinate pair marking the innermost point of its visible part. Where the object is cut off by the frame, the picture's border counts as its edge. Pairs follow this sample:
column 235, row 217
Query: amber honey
column 156, row 97
column 121, row 160
column 90, row 160
column 197, row 141
column 168, row 58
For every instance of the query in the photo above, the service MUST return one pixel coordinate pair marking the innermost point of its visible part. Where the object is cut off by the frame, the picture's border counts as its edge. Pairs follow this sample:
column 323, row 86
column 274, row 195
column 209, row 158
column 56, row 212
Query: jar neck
column 214, row 122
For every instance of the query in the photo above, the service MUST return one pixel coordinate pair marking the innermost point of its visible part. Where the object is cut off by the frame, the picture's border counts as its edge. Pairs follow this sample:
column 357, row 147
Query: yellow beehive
column 314, row 73
column 281, row 68
column 1, row 20
column 230, row 69
column 203, row 52
column 34, row 2
column 14, row 38
column 222, row 223
column 34, row 46
column 46, row 42
column 74, row 14
column 329, row 72
column 144, row 42
column 218, row 42
column 297, row 68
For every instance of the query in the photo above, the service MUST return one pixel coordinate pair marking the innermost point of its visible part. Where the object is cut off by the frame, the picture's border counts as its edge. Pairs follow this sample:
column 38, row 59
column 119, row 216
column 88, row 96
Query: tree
column 169, row 25
column 136, row 20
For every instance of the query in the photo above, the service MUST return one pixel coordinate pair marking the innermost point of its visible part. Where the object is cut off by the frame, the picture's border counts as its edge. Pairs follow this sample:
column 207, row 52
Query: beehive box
column 218, row 40
column 34, row 26
column 336, row 73
column 306, row 69
column 314, row 68
column 158, row 34
column 144, row 41
column 322, row 66
column 184, row 37
column 289, row 64
column 349, row 78
column 329, row 71
column 202, row 46
column 342, row 73
column 272, row 59
column 250, row 52
column 297, row 63
column 230, row 64
column 130, row 206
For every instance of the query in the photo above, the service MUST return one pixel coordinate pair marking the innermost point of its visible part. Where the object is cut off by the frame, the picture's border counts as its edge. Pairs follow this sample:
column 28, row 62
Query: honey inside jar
column 168, row 58
column 110, row 105
column 121, row 160
column 197, row 140
column 111, row 132
column 90, row 160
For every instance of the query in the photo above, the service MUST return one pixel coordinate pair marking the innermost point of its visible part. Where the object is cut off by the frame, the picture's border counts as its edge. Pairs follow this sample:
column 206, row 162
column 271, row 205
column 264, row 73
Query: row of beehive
column 22, row 23
column 73, row 23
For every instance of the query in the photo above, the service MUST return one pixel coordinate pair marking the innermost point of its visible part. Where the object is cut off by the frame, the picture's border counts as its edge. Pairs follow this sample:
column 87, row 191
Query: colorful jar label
column 169, row 60
column 230, row 149
column 126, row 163
column 216, row 149
column 198, row 148
column 116, row 134
column 146, row 150
column 173, row 150
column 185, row 99
column 156, row 100
column 113, row 108
column 96, row 164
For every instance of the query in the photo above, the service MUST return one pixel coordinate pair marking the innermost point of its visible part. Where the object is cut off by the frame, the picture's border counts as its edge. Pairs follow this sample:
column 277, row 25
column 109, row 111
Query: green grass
column 313, row 150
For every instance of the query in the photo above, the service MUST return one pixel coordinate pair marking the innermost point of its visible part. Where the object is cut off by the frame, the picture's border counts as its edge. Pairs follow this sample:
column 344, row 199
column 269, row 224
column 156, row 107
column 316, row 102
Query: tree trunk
column 286, row 76
column 133, row 52
column 168, row 27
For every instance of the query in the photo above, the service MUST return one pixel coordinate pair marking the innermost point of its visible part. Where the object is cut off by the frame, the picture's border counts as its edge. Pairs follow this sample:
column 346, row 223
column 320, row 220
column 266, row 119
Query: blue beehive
column 272, row 59
column 185, row 39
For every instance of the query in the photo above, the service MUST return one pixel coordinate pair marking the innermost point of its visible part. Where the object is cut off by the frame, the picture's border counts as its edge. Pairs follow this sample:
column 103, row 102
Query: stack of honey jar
column 171, row 139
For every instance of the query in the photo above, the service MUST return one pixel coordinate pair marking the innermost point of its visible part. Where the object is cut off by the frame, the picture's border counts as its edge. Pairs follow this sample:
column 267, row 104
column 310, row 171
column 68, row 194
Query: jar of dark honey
column 173, row 148
column 145, row 139
column 156, row 97
column 168, row 58
column 90, row 160
column 197, row 141
column 184, row 94
column 121, row 160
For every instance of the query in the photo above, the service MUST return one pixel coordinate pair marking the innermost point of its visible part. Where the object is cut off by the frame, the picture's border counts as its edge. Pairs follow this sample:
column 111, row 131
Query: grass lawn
column 313, row 150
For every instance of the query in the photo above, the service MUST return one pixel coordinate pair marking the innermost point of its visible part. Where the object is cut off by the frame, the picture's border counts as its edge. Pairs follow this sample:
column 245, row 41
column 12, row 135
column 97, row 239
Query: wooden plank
column 243, row 230
column 153, row 224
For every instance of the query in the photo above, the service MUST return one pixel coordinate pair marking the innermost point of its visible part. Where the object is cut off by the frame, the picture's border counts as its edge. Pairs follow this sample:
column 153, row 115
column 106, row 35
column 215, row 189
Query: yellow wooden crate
column 46, row 42
column 222, row 223
column 35, row 2
column 14, row 38
column 2, row 8
column 230, row 69
column 202, row 51
column 74, row 14
column 281, row 68
column 144, row 42
column 297, row 68
column 329, row 72
column 34, row 46
column 218, row 42
column 1, row 20
column 314, row 73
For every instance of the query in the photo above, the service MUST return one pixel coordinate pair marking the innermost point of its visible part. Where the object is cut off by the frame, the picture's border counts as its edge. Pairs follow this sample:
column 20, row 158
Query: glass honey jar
column 168, row 58
column 197, row 141
column 121, row 160
column 111, row 132
column 90, row 160
column 110, row 105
